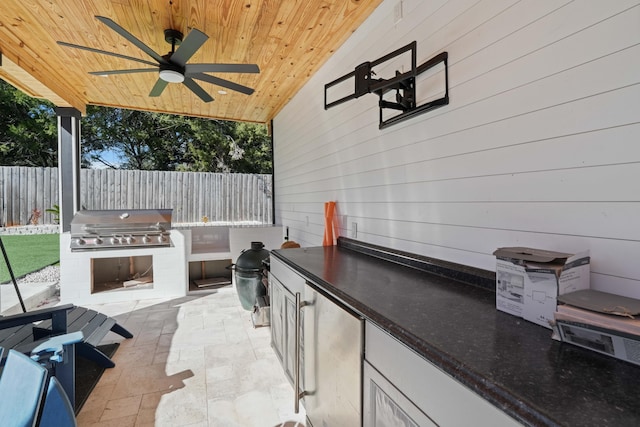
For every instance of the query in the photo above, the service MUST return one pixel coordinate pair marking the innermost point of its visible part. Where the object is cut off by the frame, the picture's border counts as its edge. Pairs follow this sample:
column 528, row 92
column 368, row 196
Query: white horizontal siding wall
column 539, row 146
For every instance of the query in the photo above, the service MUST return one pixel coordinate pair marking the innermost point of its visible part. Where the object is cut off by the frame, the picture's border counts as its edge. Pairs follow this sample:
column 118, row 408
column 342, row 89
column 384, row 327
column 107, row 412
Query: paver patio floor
column 193, row 361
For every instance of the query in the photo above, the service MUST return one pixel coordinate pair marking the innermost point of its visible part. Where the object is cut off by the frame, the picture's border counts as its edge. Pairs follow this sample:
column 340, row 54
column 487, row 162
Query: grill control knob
column 98, row 241
column 115, row 240
column 146, row 239
column 162, row 238
column 130, row 239
column 80, row 241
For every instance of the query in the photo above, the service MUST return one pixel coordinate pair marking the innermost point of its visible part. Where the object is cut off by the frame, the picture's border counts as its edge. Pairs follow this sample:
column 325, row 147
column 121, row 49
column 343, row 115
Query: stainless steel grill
column 113, row 229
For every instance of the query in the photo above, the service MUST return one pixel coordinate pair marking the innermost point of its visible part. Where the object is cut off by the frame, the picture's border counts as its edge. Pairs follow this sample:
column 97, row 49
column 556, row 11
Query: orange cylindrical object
column 329, row 209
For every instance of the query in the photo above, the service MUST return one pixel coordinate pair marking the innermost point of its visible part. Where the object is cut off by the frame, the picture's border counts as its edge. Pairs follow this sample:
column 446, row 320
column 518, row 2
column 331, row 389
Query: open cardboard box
column 528, row 281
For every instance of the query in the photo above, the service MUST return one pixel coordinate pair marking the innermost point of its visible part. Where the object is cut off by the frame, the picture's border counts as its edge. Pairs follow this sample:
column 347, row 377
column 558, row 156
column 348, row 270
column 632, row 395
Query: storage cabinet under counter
column 284, row 283
column 405, row 390
column 283, row 325
column 385, row 405
column 320, row 346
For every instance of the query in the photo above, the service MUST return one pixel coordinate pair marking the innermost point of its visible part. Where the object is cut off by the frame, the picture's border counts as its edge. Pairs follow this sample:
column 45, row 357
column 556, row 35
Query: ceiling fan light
column 171, row 76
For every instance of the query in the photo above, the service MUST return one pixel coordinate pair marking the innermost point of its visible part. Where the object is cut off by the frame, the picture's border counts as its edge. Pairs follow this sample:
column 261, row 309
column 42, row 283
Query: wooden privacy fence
column 221, row 197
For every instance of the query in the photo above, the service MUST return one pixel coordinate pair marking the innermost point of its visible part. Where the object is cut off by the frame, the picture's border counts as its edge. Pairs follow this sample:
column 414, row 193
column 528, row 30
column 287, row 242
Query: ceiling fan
column 173, row 67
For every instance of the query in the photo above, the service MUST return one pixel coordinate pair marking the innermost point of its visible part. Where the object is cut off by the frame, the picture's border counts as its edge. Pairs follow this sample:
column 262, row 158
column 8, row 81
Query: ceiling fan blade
column 158, row 88
column 221, row 68
column 224, row 83
column 130, row 71
column 195, row 88
column 189, row 46
column 104, row 52
column 127, row 35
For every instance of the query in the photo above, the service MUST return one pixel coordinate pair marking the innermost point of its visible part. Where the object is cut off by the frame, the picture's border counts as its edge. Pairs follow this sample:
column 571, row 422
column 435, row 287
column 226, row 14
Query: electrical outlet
column 397, row 12
column 354, row 230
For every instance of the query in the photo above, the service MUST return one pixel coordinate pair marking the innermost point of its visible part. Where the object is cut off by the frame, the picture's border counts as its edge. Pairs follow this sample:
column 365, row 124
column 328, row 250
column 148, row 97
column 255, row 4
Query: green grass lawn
column 28, row 253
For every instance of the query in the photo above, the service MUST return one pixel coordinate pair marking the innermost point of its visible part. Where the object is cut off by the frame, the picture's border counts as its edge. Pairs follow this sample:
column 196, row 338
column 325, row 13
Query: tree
column 28, row 130
column 255, row 144
column 209, row 149
column 156, row 141
column 129, row 139
column 224, row 146
column 138, row 139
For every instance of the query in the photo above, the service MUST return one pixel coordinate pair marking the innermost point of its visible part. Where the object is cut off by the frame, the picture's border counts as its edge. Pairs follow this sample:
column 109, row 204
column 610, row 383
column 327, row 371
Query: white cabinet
column 418, row 384
column 276, row 292
column 385, row 406
column 291, row 280
column 283, row 284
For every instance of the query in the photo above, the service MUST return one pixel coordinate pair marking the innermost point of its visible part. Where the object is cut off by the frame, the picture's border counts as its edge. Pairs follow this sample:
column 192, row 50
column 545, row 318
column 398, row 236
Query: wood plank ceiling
column 288, row 39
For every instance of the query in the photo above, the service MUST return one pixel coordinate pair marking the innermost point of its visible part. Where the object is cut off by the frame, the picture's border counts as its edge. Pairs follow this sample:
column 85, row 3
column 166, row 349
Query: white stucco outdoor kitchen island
column 195, row 251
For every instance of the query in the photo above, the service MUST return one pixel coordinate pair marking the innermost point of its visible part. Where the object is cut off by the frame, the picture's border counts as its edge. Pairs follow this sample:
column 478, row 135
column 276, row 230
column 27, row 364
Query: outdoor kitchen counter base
column 512, row 363
column 169, row 273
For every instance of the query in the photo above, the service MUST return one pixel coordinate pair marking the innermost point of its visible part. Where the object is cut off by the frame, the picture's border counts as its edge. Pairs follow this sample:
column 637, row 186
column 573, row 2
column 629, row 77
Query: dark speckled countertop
column 510, row 362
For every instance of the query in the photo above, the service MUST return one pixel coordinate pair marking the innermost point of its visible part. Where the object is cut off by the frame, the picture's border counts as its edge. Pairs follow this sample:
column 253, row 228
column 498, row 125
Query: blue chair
column 57, row 410
column 30, row 394
column 22, row 387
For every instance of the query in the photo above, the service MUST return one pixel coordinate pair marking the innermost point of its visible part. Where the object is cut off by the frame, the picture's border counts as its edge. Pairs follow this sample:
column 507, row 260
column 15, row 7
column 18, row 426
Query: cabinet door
column 284, row 282
column 276, row 293
column 283, row 333
column 433, row 391
column 385, row 406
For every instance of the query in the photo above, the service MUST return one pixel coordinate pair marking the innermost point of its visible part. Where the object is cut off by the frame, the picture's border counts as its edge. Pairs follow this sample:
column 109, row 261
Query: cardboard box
column 602, row 340
column 528, row 281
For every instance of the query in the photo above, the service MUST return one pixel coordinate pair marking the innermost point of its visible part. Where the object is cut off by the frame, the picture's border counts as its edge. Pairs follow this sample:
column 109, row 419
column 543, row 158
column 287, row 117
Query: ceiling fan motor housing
column 171, row 73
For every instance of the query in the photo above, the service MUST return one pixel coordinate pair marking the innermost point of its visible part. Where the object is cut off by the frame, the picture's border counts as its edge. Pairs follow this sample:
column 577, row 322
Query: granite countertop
column 510, row 362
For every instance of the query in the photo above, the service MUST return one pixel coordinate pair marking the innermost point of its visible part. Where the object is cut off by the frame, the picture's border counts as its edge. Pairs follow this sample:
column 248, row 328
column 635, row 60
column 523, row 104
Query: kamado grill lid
column 250, row 260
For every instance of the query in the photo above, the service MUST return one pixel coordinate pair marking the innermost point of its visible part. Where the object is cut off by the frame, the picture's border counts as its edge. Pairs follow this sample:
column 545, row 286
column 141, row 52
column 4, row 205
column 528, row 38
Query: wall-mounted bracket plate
column 403, row 84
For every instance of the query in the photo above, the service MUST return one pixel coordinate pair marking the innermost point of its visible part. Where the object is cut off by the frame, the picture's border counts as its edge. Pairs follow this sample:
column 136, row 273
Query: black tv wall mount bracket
column 404, row 85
